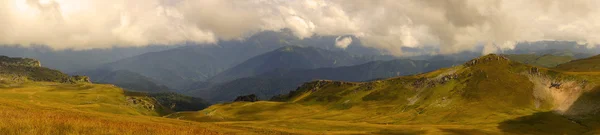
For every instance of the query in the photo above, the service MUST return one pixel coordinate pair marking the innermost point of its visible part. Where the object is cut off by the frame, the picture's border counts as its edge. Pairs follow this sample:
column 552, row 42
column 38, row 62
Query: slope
column 488, row 95
column 546, row 60
column 591, row 64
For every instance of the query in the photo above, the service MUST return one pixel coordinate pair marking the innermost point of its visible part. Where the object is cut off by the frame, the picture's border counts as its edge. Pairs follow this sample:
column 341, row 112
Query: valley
column 299, row 67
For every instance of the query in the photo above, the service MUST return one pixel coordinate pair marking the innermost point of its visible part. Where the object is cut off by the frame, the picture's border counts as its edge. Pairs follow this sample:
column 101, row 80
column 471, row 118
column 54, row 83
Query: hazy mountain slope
column 75, row 60
column 177, row 68
column 125, row 79
column 282, row 81
column 499, row 95
column 547, row 60
column 591, row 64
column 288, row 58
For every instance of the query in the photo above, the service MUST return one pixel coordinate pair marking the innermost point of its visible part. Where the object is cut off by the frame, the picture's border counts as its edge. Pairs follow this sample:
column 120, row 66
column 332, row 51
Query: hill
column 281, row 81
column 24, row 69
column 125, row 79
column 288, row 58
column 591, row 64
column 487, row 95
column 546, row 60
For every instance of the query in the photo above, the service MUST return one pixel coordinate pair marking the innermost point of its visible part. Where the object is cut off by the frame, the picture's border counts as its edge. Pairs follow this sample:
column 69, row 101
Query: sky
column 450, row 25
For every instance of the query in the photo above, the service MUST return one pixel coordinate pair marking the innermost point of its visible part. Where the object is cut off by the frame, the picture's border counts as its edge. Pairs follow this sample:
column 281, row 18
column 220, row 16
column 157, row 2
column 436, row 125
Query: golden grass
column 57, row 109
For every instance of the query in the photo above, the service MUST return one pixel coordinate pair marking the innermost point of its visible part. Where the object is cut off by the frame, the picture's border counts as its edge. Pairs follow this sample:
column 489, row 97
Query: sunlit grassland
column 55, row 108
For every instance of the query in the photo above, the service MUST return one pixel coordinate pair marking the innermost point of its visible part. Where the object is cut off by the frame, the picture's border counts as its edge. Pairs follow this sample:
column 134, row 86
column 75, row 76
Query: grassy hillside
column 488, row 95
column 24, row 69
column 58, row 108
column 547, row 61
column 591, row 64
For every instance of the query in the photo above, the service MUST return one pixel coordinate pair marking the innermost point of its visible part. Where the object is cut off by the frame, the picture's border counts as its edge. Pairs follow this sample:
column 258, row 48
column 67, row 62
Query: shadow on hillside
column 587, row 105
column 400, row 132
column 542, row 123
column 452, row 131
column 582, row 116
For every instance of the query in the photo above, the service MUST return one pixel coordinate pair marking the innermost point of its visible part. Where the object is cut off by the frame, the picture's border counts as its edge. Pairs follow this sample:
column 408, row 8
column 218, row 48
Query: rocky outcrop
column 246, row 98
column 555, row 85
column 432, row 82
column 486, row 59
column 27, row 62
column 141, row 102
column 79, row 78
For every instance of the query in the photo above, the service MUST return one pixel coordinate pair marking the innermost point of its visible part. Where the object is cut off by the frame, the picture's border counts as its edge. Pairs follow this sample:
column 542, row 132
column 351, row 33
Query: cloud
column 343, row 42
column 450, row 25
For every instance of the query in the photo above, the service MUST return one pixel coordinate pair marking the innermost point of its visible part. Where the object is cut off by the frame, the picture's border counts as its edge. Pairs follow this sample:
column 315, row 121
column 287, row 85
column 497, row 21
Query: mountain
column 546, row 60
column 282, row 81
column 288, row 58
column 591, row 64
column 125, row 79
column 179, row 67
column 487, row 95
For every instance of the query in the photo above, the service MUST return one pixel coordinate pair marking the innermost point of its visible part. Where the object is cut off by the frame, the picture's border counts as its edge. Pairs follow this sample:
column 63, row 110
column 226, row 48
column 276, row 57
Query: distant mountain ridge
column 70, row 60
column 289, row 58
column 179, row 67
column 126, row 79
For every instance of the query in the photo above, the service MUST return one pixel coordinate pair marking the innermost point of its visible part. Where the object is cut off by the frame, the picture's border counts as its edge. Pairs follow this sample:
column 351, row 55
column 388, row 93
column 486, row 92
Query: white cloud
column 452, row 26
column 343, row 42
